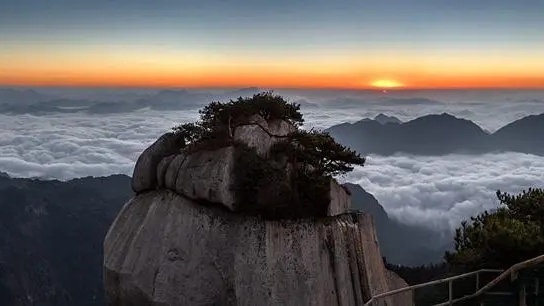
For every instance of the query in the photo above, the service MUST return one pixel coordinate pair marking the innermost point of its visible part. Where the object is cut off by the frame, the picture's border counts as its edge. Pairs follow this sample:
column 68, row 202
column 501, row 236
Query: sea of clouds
column 440, row 191
column 435, row 191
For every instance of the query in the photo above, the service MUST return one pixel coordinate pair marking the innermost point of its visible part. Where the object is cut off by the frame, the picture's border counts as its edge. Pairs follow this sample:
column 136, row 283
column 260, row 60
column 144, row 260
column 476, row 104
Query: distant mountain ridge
column 384, row 119
column 381, row 119
column 21, row 96
column 28, row 101
column 440, row 135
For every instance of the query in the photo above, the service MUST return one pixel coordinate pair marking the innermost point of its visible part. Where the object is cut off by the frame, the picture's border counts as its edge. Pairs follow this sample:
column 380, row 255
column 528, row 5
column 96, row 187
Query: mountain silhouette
column 51, row 235
column 21, row 96
column 439, row 135
column 384, row 119
column 399, row 243
column 32, row 102
column 523, row 135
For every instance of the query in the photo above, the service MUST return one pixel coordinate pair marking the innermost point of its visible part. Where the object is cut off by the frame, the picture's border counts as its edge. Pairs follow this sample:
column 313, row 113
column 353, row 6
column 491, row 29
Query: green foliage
column 254, row 175
column 190, row 132
column 308, row 148
column 312, row 193
column 263, row 186
column 527, row 206
column 513, row 233
column 265, row 104
column 316, row 157
column 218, row 120
column 318, row 153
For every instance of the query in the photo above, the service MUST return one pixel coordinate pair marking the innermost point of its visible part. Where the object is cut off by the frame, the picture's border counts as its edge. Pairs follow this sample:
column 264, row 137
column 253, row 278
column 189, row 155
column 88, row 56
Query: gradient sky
column 280, row 43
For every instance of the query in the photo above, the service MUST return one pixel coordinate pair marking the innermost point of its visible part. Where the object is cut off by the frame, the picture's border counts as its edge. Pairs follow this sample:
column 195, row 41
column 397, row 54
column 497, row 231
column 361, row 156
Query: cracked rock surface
column 180, row 241
column 164, row 249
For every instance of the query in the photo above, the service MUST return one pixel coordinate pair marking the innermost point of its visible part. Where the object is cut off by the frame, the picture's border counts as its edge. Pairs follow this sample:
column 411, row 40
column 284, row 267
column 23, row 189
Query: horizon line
column 263, row 88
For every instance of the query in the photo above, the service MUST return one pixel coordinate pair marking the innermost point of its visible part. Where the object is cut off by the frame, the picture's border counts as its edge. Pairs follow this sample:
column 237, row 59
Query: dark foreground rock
column 164, row 249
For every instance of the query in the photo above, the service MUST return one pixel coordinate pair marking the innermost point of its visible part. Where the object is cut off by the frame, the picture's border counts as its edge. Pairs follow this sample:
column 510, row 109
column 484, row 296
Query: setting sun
column 386, row 84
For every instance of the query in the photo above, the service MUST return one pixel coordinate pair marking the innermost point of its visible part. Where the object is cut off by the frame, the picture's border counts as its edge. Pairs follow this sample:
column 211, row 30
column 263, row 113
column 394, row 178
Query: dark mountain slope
column 21, row 96
column 51, row 235
column 400, row 243
column 440, row 135
column 524, row 135
column 384, row 119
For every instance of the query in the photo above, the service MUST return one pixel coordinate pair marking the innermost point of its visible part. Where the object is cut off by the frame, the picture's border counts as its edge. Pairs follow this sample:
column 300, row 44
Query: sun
column 386, row 83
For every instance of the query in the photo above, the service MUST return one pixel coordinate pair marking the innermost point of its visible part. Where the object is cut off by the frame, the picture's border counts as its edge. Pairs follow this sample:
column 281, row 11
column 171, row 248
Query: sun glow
column 386, row 84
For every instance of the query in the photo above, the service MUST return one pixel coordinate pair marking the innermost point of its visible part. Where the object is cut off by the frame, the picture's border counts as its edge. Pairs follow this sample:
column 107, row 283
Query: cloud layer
column 437, row 192
column 490, row 110
column 76, row 145
column 441, row 191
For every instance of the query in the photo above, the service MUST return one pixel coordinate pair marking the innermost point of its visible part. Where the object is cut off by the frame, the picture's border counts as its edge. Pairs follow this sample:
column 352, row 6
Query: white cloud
column 434, row 191
column 67, row 146
column 441, row 191
column 489, row 109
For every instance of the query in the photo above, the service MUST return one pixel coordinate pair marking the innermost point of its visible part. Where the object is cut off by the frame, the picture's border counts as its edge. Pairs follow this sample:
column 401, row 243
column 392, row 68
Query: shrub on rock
column 280, row 170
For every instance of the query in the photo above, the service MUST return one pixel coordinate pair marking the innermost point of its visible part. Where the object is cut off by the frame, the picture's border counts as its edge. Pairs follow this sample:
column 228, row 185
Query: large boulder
column 162, row 168
column 209, row 176
column 395, row 281
column 340, row 199
column 164, row 249
column 196, row 232
column 261, row 134
column 144, row 177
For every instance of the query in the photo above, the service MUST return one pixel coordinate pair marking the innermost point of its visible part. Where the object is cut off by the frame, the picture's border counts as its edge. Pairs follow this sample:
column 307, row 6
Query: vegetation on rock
column 318, row 154
column 499, row 239
column 219, row 120
column 294, row 180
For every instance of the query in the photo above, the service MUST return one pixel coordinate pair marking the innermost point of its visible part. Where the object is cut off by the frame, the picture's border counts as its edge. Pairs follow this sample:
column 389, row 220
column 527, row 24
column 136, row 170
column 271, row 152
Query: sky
column 281, row 44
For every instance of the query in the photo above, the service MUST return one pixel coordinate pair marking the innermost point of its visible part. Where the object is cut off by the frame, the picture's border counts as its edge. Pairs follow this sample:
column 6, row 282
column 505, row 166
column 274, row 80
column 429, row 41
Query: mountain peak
column 427, row 135
column 384, row 119
column 443, row 118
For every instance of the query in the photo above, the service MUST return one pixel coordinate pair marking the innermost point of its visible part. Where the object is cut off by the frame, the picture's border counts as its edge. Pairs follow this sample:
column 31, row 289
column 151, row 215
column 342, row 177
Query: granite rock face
column 209, row 175
column 164, row 249
column 144, row 177
column 181, row 241
column 261, row 134
column 395, row 281
column 340, row 199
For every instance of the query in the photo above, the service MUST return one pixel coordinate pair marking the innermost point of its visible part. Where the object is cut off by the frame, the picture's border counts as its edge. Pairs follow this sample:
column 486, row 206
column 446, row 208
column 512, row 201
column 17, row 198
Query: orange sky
column 92, row 70
column 292, row 81
column 275, row 79
column 151, row 66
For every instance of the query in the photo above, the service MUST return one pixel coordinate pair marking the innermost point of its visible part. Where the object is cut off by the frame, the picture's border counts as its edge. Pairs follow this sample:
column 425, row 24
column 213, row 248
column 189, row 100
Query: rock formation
column 185, row 238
